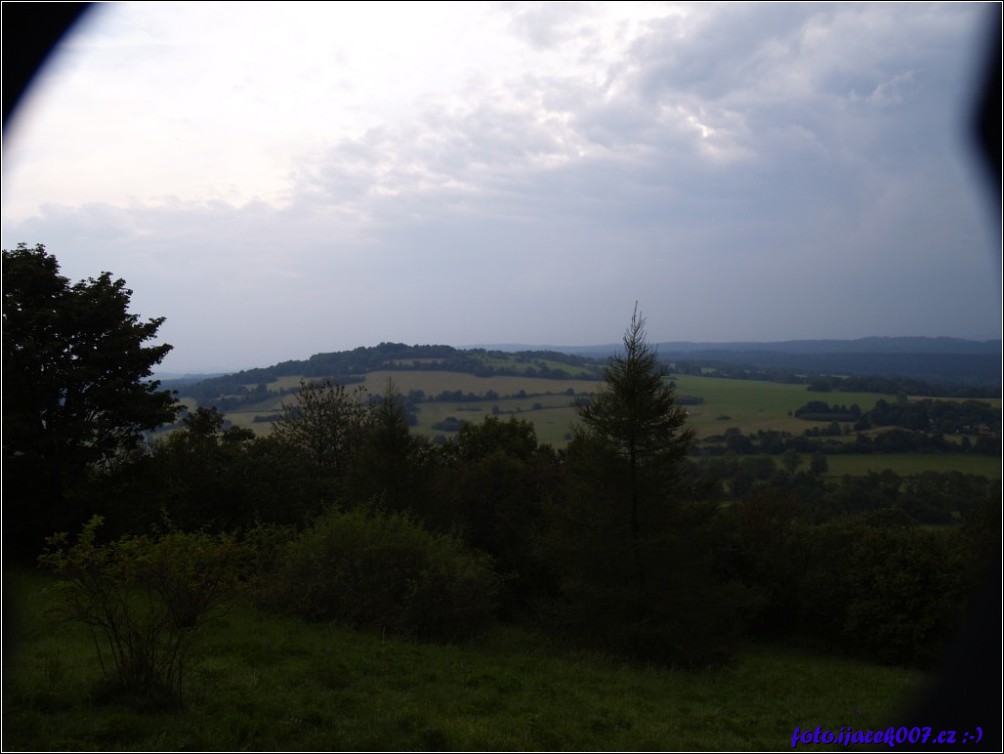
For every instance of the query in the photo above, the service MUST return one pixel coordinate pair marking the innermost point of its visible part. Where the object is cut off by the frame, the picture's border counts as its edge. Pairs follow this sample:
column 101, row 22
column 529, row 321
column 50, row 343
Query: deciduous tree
column 76, row 388
column 326, row 423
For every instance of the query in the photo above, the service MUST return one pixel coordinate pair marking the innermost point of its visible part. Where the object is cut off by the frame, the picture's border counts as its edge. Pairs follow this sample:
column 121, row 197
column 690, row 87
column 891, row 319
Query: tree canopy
column 326, row 422
column 76, row 387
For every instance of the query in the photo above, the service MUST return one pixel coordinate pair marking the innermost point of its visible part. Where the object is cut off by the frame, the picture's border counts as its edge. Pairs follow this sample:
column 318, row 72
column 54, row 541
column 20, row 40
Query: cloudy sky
column 282, row 179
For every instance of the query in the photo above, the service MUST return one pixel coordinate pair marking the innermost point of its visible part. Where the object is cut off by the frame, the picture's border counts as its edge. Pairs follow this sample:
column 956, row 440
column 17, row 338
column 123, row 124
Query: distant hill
column 860, row 345
column 347, row 367
column 884, row 345
column 938, row 361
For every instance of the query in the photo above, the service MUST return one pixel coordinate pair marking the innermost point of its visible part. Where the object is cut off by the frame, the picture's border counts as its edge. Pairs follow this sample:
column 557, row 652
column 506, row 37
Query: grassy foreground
column 260, row 682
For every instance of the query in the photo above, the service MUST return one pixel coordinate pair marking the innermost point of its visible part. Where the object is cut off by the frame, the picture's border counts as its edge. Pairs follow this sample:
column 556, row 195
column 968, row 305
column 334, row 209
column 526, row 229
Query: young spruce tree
column 635, row 559
column 636, row 416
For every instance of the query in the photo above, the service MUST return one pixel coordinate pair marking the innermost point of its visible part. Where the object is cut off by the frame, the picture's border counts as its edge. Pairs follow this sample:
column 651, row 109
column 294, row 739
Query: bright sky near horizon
column 280, row 179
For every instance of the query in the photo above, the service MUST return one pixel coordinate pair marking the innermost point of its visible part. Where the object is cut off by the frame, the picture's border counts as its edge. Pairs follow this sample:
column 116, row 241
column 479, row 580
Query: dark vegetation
column 628, row 542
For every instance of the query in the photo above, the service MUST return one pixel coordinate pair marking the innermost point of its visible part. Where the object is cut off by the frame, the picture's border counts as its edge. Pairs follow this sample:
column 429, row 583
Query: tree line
column 833, row 440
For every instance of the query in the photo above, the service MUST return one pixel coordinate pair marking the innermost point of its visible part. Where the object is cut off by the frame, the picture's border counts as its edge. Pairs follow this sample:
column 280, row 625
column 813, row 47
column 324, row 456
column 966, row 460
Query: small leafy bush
column 382, row 571
column 144, row 599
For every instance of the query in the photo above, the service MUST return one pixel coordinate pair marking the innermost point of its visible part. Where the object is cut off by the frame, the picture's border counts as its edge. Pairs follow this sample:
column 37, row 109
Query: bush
column 382, row 571
column 881, row 588
column 144, row 599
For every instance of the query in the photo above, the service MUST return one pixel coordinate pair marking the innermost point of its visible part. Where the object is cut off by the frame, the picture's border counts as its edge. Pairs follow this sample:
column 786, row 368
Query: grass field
column 260, row 682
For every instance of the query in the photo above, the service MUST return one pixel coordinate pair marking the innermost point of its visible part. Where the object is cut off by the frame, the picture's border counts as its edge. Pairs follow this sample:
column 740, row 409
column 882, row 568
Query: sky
column 283, row 179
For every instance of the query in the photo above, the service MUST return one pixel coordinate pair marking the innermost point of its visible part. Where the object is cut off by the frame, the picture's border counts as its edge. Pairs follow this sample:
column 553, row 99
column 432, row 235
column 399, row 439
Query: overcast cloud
column 283, row 179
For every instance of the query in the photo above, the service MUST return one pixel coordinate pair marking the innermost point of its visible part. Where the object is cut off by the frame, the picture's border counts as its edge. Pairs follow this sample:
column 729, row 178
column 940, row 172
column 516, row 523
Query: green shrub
column 882, row 588
column 144, row 599
column 911, row 586
column 383, row 571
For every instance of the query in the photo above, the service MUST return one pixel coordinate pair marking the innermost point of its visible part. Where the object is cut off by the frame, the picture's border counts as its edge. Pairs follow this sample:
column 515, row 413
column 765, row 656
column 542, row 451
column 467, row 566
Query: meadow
column 262, row 682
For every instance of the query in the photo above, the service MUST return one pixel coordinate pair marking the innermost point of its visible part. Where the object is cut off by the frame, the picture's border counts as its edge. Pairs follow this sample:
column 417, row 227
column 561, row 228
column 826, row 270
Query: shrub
column 881, row 588
column 144, row 599
column 910, row 588
column 377, row 570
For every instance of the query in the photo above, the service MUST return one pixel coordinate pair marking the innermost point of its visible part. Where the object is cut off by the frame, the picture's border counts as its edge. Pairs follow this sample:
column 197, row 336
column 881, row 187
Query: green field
column 749, row 405
column 261, row 682
column 754, row 405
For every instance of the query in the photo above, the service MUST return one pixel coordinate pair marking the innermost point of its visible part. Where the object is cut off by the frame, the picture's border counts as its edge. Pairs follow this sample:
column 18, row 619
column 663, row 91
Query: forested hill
column 347, row 367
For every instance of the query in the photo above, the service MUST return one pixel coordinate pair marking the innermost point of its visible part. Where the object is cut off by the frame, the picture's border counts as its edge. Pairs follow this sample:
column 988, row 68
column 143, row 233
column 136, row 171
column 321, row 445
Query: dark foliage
column 637, row 566
column 385, row 572
column 76, row 389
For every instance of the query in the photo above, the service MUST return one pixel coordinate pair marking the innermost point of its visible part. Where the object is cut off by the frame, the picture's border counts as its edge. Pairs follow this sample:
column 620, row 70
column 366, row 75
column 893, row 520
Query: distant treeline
column 825, row 440
column 971, row 369
column 902, row 386
column 946, row 417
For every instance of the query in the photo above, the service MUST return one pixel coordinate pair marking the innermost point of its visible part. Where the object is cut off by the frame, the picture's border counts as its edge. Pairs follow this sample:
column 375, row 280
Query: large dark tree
column 76, row 388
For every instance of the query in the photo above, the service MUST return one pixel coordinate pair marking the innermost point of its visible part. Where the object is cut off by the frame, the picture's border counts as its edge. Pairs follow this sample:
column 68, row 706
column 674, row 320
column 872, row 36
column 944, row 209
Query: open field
column 260, row 682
